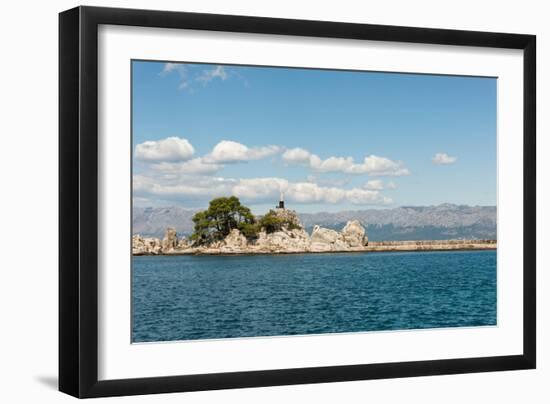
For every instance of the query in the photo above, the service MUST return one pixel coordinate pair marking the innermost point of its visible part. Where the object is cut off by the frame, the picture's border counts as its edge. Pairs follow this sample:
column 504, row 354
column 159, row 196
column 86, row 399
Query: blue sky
column 331, row 140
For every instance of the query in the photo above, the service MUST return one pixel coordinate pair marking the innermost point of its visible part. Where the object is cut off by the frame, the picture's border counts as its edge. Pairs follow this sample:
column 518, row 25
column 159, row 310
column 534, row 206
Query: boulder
column 145, row 246
column 354, row 234
column 325, row 236
column 234, row 242
column 170, row 240
column 323, row 239
column 138, row 245
column 285, row 240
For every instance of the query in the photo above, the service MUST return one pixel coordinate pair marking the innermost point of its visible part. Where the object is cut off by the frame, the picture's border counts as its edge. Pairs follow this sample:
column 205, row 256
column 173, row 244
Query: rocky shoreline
column 352, row 238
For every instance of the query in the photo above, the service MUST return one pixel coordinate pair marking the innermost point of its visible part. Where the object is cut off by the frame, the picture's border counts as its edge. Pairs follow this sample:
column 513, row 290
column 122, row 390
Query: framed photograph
column 251, row 201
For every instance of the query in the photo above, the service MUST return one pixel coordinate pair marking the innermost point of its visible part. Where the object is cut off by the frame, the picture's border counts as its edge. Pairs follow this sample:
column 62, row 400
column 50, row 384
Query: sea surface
column 206, row 297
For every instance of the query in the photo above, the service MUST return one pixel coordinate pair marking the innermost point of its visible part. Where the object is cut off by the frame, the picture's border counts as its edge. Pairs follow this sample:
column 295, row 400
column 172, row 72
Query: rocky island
column 227, row 227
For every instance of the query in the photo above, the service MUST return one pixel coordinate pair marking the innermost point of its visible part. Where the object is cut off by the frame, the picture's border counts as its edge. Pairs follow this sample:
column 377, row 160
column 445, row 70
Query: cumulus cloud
column 379, row 185
column 251, row 190
column 332, row 164
column 267, row 189
column 365, row 197
column 193, row 166
column 228, row 151
column 175, row 154
column 372, row 165
column 443, row 158
column 335, row 182
column 297, row 156
column 306, row 192
column 169, row 149
column 381, row 166
column 175, row 187
column 175, row 174
column 260, row 188
column 375, row 185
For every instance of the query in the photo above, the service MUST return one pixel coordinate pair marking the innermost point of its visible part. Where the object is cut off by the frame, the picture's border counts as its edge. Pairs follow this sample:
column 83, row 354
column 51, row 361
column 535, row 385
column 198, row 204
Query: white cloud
column 334, row 182
column 173, row 155
column 169, row 149
column 372, row 165
column 260, row 188
column 297, row 156
column 193, row 166
column 306, row 192
column 250, row 190
column 375, row 185
column 379, row 185
column 175, row 175
column 332, row 164
column 175, row 187
column 366, row 197
column 208, row 75
column 443, row 158
column 170, row 67
column 379, row 166
column 180, row 69
column 266, row 189
column 188, row 75
column 228, row 151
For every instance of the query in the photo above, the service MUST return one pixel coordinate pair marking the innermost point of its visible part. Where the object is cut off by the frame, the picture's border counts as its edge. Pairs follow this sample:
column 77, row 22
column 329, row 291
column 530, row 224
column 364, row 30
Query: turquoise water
column 190, row 297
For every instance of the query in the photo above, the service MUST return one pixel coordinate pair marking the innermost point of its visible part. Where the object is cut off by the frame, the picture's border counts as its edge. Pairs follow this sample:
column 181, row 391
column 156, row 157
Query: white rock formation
column 325, row 236
column 352, row 238
column 354, row 234
column 234, row 242
column 285, row 240
column 145, row 246
column 170, row 240
column 327, row 240
column 153, row 246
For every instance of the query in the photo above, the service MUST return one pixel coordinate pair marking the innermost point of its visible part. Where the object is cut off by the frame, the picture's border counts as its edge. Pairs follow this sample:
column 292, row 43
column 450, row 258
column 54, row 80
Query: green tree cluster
column 227, row 213
column 223, row 215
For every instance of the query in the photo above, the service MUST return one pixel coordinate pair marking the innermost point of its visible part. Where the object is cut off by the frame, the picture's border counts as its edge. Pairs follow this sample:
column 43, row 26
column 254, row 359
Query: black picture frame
column 78, row 201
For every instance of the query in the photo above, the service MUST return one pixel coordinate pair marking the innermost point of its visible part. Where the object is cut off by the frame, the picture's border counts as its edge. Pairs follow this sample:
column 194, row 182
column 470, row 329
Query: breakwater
column 431, row 245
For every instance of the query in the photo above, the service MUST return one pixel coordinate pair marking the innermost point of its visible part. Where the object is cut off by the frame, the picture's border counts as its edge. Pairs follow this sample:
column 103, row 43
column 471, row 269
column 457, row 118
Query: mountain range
column 440, row 222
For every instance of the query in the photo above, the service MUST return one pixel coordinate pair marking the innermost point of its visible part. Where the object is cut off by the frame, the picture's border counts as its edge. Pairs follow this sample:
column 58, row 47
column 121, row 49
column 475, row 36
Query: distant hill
column 441, row 222
column 152, row 222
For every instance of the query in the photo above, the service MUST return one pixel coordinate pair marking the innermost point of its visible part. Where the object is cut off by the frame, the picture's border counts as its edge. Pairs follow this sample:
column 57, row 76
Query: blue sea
column 205, row 297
